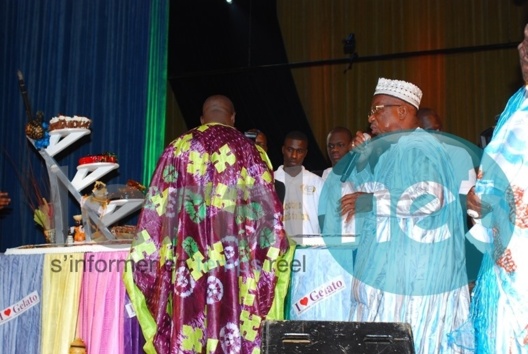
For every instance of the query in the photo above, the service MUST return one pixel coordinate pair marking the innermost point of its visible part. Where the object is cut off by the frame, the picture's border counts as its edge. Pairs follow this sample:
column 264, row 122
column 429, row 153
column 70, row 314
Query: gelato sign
column 319, row 294
column 19, row 308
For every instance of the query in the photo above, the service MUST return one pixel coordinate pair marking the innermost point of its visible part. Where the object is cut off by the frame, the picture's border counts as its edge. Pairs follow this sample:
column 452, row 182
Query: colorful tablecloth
column 48, row 300
column 320, row 283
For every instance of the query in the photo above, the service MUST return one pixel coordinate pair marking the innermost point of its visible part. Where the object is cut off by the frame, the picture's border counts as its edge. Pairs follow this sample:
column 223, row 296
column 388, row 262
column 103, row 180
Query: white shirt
column 301, row 201
column 326, row 173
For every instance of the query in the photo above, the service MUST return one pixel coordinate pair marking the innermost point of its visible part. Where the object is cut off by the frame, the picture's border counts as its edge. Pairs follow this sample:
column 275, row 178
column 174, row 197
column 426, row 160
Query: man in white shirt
column 302, row 187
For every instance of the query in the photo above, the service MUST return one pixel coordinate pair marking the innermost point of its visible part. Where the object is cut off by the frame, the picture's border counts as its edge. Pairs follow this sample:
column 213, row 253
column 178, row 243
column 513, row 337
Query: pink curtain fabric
column 102, row 303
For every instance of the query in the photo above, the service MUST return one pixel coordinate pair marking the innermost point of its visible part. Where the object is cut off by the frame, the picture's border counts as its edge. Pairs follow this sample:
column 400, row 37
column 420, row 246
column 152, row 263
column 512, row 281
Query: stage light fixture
column 349, row 44
column 349, row 47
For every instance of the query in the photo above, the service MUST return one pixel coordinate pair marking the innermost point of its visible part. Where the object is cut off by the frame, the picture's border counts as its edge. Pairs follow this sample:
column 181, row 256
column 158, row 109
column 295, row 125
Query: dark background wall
column 221, row 48
column 462, row 55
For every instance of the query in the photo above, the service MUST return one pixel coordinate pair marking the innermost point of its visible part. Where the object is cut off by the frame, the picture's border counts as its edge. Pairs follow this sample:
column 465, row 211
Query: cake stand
column 60, row 186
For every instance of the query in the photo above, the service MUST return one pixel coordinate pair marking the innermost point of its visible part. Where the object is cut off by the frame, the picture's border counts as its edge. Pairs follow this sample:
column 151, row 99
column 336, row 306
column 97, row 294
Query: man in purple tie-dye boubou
column 209, row 237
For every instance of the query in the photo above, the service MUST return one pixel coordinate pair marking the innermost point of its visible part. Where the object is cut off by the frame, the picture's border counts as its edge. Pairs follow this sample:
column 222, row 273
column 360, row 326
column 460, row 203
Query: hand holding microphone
column 476, row 208
column 360, row 139
column 358, row 151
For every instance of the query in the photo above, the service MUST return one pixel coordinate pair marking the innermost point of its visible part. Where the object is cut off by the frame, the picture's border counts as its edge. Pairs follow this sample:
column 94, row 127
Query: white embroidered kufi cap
column 403, row 90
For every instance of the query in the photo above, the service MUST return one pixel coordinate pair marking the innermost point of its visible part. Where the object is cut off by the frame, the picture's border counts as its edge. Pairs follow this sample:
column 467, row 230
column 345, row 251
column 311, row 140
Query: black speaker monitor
column 306, row 337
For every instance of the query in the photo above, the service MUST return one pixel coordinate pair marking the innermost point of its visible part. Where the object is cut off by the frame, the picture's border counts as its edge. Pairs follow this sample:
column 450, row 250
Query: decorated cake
column 64, row 122
column 106, row 157
column 126, row 232
column 135, row 184
column 132, row 190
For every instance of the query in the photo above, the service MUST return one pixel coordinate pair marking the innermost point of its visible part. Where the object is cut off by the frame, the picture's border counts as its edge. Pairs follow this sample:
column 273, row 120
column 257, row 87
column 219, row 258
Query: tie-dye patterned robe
column 203, row 265
column 500, row 299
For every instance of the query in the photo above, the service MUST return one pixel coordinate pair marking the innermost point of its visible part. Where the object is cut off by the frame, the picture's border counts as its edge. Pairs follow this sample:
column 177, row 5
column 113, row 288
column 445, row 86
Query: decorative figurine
column 78, row 229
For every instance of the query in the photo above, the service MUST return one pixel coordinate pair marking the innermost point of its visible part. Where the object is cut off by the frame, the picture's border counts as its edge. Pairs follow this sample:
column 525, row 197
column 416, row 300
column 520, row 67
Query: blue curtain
column 78, row 57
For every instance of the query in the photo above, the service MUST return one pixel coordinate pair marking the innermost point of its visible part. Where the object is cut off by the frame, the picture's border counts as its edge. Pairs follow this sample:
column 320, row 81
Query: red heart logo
column 304, row 301
column 7, row 312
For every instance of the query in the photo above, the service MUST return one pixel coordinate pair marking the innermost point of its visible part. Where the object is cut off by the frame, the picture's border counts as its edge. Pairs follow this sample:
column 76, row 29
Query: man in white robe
column 410, row 261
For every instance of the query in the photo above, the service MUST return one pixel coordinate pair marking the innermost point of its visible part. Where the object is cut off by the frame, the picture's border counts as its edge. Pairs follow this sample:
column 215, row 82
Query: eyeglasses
column 378, row 108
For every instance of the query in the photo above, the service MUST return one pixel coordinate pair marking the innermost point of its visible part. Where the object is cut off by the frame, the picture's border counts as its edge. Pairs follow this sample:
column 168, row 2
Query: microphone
column 25, row 96
column 356, row 153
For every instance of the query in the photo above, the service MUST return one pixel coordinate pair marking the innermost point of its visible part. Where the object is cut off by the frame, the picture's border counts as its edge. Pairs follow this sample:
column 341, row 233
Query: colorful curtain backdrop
column 103, row 59
column 48, row 300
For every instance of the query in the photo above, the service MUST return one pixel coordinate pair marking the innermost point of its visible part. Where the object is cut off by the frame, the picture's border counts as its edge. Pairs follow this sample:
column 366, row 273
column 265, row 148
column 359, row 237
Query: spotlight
column 229, row 1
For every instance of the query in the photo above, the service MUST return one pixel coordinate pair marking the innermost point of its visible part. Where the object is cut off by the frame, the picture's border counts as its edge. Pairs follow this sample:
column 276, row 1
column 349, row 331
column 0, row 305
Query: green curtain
column 157, row 87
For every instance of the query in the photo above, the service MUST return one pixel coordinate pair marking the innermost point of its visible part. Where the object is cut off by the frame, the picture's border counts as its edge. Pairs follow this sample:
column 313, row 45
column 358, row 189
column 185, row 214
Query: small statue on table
column 77, row 231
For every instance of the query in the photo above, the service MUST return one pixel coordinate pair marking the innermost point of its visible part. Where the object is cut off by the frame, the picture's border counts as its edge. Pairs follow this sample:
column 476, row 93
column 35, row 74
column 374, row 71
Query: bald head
column 429, row 119
column 218, row 109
